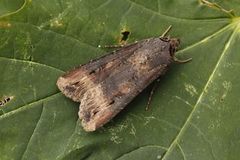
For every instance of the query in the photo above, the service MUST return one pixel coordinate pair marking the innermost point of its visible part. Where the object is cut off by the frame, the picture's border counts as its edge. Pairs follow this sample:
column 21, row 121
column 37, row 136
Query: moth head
column 174, row 44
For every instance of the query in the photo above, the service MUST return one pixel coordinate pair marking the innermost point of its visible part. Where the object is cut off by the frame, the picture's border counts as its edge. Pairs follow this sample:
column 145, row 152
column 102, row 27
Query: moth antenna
column 166, row 31
column 181, row 61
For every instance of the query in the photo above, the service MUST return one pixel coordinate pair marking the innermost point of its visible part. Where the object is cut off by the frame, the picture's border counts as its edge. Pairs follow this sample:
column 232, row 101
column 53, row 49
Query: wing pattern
column 106, row 85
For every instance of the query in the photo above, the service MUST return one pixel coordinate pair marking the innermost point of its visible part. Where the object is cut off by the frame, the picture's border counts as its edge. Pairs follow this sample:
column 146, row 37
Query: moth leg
column 217, row 6
column 181, row 61
column 154, row 87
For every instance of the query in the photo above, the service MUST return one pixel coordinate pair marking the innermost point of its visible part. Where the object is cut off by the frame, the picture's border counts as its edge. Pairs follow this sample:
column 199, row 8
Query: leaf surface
column 195, row 110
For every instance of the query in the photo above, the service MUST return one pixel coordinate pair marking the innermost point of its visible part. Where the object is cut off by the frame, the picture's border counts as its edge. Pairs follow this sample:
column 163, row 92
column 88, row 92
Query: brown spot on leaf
column 4, row 24
column 5, row 100
column 125, row 35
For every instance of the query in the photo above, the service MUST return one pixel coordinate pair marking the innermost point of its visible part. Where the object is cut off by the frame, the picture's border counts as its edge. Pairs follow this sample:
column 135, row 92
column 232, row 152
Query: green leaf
column 195, row 111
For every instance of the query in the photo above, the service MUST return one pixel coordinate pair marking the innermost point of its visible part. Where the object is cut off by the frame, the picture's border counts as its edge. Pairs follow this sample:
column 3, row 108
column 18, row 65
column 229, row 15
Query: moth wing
column 106, row 85
column 76, row 82
column 107, row 98
column 102, row 102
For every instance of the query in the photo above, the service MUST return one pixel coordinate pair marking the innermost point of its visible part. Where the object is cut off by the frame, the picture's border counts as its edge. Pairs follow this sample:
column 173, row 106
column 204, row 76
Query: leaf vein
column 168, row 16
column 32, row 63
column 19, row 109
column 205, row 138
column 187, row 122
column 36, row 126
column 181, row 150
column 206, row 38
column 149, row 145
column 14, row 12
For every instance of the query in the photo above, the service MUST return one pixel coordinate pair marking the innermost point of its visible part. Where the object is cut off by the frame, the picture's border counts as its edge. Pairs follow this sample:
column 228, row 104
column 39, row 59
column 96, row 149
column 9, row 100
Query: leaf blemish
column 5, row 24
column 56, row 23
column 125, row 35
column 115, row 132
column 183, row 100
column 227, row 87
column 133, row 130
column 159, row 156
column 30, row 58
column 5, row 100
column 190, row 89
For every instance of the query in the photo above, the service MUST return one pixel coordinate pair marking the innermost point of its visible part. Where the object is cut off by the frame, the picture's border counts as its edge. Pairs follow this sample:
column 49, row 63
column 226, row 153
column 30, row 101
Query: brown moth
column 106, row 85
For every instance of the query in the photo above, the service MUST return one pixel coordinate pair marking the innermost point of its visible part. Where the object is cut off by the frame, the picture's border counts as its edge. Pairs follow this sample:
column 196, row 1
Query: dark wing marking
column 77, row 81
column 102, row 102
column 108, row 84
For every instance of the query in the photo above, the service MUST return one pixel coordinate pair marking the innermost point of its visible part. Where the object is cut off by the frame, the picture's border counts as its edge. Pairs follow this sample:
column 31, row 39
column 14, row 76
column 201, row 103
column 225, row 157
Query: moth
column 106, row 85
